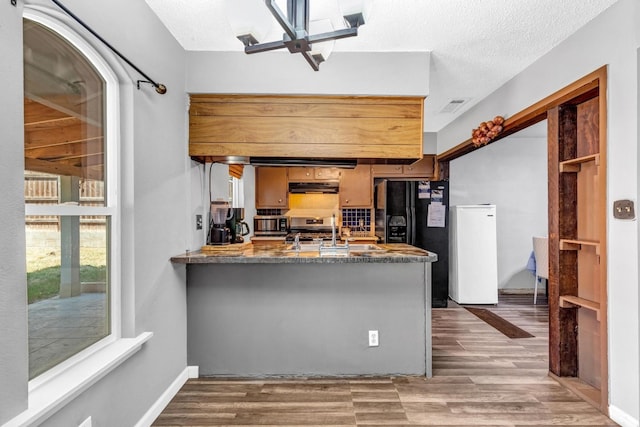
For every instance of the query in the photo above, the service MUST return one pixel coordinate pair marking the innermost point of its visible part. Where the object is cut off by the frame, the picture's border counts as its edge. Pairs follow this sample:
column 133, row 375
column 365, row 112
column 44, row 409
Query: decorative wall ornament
column 487, row 131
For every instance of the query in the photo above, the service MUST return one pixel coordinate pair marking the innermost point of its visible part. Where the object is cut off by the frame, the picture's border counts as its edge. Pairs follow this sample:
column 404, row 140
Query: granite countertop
column 278, row 254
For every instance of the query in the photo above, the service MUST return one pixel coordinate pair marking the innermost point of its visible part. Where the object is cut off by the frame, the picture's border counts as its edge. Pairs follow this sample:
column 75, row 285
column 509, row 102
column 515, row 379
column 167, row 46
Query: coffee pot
column 237, row 226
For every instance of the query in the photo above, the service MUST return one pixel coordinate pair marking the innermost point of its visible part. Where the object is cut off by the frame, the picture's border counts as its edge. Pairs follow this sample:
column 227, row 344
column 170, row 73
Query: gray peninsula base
column 258, row 320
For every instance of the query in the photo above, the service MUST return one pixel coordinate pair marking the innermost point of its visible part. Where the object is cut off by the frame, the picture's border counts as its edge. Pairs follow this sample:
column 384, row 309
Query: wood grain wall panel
column 304, row 110
column 588, row 127
column 303, row 130
column 305, row 126
column 302, row 99
column 368, row 151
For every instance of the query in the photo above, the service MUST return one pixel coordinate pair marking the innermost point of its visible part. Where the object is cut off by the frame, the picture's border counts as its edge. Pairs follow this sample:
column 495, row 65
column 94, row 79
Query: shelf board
column 573, row 165
column 576, row 244
column 570, row 301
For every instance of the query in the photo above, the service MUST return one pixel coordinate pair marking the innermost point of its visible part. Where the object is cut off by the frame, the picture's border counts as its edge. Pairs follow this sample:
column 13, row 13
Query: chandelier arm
column 281, row 18
column 314, row 64
column 333, row 35
column 264, row 47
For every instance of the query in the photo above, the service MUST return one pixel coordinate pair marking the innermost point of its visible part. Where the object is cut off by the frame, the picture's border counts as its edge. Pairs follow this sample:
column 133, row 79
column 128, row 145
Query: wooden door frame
column 562, row 354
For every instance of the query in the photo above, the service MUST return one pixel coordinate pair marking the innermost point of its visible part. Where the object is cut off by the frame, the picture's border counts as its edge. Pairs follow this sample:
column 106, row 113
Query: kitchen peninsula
column 273, row 311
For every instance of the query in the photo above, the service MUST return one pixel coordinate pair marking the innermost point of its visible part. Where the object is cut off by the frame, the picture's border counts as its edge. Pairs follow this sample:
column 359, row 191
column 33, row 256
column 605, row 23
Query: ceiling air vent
column 454, row 105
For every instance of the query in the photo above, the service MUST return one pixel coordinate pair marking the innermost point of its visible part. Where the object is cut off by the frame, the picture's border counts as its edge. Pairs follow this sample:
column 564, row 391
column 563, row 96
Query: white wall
column 154, row 179
column 512, row 174
column 611, row 39
column 387, row 73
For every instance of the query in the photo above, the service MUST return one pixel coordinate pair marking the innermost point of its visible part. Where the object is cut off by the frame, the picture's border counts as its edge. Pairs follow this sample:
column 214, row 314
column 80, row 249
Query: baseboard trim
column 156, row 409
column 194, row 371
column 621, row 417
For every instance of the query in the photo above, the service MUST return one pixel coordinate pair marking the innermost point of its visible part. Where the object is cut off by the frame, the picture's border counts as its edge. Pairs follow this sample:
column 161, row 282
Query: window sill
column 49, row 397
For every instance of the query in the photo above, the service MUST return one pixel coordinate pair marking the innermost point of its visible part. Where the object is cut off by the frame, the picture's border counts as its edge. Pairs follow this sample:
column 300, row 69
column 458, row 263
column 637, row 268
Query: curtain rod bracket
column 160, row 88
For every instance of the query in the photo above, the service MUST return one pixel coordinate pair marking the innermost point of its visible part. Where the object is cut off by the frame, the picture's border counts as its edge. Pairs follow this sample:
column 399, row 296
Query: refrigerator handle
column 411, row 219
column 413, row 226
column 408, row 214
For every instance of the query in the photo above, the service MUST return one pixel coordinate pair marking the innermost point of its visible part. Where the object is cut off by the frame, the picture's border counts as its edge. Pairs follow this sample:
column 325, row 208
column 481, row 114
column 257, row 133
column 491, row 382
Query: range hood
column 321, row 187
column 312, row 162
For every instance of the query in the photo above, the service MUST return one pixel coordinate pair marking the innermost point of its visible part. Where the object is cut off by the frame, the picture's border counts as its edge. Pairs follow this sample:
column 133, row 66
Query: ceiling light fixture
column 296, row 26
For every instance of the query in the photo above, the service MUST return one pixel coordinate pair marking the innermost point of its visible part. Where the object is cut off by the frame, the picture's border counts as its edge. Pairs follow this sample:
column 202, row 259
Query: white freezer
column 473, row 255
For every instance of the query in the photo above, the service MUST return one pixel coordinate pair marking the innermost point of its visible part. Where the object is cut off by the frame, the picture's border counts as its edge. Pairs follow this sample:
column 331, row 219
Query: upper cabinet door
column 356, row 187
column 424, row 167
column 331, row 174
column 272, row 188
column 303, row 174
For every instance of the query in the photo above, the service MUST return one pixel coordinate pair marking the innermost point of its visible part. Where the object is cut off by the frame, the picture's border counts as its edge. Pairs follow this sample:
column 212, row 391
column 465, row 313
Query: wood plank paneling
column 398, row 151
column 209, row 129
column 305, row 126
column 319, row 110
column 588, row 124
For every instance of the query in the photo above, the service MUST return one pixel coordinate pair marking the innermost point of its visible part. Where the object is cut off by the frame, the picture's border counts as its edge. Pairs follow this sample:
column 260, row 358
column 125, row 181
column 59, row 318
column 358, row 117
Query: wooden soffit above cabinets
column 367, row 128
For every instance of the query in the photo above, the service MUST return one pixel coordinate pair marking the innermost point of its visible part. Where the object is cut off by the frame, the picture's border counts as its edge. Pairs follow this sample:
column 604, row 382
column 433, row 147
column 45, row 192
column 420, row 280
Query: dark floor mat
column 507, row 328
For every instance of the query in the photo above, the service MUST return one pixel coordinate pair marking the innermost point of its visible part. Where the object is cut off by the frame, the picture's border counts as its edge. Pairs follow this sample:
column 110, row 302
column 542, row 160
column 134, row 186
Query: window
column 71, row 211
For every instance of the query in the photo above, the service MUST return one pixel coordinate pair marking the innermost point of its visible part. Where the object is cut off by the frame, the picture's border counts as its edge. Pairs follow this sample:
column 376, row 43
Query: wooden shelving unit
column 577, row 245
column 573, row 165
column 570, row 301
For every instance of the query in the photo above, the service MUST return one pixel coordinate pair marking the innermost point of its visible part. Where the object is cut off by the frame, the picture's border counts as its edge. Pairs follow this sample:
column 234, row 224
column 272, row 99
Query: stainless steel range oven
column 310, row 228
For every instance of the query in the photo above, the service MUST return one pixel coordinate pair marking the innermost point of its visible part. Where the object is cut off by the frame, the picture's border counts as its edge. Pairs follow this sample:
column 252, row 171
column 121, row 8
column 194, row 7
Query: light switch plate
column 624, row 209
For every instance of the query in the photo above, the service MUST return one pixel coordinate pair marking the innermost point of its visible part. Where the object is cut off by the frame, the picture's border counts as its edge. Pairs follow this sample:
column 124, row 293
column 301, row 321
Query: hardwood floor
column 481, row 377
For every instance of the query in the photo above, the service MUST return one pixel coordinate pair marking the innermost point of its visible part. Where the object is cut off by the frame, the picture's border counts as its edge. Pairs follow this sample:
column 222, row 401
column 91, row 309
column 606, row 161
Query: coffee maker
column 219, row 233
column 237, row 226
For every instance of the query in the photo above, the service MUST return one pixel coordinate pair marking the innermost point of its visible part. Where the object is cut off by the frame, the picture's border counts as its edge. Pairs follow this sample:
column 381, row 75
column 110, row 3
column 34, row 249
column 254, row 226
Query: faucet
column 333, row 230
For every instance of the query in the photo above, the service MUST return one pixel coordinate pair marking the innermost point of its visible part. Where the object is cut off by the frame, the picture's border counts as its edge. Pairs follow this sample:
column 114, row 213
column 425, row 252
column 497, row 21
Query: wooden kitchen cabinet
column 384, row 171
column 356, row 187
column 423, row 168
column 272, row 188
column 320, row 126
column 303, row 174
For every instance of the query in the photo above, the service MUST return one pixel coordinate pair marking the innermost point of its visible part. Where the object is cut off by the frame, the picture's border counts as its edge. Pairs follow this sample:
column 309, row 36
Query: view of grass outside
column 44, row 261
column 43, row 270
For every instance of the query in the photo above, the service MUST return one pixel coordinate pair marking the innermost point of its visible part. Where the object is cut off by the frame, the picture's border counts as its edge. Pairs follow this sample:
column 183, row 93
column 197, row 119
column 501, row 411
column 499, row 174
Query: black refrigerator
column 402, row 216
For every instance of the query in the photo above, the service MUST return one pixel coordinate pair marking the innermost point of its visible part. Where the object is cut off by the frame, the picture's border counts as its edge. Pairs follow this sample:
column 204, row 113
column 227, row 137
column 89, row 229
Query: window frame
column 112, row 181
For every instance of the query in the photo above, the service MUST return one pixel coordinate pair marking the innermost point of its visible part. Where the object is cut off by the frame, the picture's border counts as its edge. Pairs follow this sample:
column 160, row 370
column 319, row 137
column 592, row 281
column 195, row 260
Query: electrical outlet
column 373, row 339
column 623, row 209
column 198, row 222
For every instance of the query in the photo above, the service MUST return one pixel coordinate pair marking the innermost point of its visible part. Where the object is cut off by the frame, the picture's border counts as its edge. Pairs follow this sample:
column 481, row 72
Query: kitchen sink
column 314, row 247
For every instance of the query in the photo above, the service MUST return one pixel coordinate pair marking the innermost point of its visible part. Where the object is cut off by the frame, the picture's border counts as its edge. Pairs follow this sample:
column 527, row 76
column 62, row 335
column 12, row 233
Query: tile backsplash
column 358, row 220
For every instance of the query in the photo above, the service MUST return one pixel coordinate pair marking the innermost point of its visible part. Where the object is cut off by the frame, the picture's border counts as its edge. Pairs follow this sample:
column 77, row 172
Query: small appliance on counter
column 237, row 226
column 270, row 225
column 219, row 233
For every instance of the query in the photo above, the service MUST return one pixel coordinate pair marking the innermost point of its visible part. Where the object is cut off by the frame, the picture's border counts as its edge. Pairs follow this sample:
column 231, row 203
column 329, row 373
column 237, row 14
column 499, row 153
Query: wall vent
column 454, row 105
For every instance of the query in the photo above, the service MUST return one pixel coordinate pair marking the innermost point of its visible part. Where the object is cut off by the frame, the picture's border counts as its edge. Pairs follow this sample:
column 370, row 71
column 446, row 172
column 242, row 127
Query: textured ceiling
column 475, row 45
